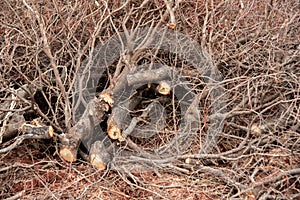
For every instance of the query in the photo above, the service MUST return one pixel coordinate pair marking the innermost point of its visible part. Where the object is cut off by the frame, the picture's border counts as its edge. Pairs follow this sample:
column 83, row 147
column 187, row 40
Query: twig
column 16, row 196
column 47, row 50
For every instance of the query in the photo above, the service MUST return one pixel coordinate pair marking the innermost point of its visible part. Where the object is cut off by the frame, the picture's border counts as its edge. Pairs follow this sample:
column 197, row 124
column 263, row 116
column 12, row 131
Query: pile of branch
column 117, row 128
column 254, row 45
column 14, row 123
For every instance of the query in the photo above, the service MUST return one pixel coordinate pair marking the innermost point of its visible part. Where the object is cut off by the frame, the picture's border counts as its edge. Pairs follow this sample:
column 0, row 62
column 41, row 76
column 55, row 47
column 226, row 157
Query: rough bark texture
column 83, row 129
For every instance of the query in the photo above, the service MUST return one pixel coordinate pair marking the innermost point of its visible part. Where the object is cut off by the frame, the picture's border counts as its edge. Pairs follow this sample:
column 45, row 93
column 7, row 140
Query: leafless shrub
column 255, row 46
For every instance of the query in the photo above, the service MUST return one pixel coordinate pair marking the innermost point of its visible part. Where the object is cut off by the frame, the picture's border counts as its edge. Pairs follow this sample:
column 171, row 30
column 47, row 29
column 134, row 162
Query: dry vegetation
column 254, row 44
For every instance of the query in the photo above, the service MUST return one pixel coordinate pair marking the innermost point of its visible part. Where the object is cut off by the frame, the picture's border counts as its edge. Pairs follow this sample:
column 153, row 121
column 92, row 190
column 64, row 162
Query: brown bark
column 94, row 113
column 116, row 124
column 153, row 76
column 15, row 123
column 31, row 132
column 38, row 132
column 99, row 157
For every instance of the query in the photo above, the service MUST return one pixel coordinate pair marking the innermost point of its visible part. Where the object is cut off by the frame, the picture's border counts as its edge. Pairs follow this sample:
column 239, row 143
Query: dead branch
column 17, row 196
column 30, row 132
column 47, row 50
column 83, row 130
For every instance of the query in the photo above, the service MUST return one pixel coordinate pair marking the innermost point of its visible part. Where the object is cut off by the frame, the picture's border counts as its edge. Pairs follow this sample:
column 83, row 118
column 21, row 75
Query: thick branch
column 83, row 130
column 33, row 132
